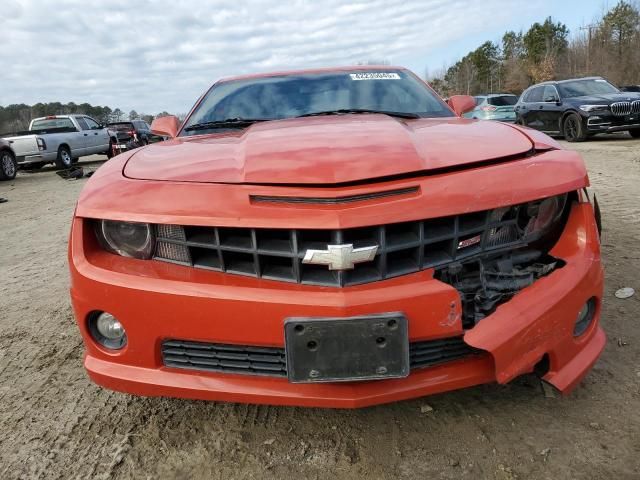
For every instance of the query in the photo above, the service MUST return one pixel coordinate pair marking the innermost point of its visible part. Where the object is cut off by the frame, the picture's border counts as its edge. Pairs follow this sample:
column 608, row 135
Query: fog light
column 107, row 330
column 585, row 317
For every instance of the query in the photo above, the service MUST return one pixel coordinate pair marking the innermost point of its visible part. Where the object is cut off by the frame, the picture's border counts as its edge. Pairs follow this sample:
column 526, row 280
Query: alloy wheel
column 8, row 167
column 66, row 157
column 571, row 129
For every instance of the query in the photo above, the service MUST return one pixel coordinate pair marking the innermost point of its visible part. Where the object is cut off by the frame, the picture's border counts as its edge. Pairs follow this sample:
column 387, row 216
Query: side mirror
column 166, row 126
column 462, row 104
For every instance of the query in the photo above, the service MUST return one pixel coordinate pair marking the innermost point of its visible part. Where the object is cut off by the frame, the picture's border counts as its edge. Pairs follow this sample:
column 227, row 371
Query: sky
column 154, row 56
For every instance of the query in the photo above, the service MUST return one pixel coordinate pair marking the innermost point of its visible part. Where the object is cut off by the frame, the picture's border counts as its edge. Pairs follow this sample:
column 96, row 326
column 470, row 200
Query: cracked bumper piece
column 157, row 301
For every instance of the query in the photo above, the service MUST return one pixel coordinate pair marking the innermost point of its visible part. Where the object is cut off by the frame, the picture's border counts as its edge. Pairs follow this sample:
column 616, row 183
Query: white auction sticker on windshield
column 374, row 76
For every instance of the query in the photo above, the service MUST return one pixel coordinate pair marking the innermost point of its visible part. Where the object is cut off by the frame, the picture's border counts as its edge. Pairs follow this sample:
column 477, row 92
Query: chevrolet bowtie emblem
column 340, row 257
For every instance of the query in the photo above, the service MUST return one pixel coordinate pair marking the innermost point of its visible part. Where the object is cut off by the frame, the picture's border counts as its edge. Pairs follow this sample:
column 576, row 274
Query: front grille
column 271, row 361
column 625, row 108
column 403, row 248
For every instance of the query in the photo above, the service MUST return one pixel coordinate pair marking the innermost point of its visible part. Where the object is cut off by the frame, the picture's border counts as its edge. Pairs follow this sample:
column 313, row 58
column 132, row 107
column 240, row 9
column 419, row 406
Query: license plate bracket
column 347, row 349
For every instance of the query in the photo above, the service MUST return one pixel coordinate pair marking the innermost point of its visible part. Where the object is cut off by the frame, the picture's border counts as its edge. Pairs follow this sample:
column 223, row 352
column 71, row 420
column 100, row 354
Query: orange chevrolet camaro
column 336, row 238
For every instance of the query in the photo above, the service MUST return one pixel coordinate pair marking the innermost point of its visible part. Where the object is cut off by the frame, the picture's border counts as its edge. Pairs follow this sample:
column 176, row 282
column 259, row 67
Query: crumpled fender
column 539, row 320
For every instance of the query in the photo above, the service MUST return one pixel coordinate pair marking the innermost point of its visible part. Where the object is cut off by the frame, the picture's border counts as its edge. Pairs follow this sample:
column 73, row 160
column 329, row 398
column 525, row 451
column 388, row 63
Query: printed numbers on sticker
column 374, row 76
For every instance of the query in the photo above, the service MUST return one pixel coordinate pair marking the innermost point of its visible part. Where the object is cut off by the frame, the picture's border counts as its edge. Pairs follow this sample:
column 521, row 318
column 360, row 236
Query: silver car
column 60, row 139
column 495, row 106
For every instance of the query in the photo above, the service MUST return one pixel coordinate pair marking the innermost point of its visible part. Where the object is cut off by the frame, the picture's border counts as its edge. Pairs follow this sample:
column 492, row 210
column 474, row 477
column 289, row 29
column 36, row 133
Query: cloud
column 161, row 55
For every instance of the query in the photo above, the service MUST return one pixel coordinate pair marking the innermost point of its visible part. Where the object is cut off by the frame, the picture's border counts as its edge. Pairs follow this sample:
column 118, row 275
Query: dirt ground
column 54, row 423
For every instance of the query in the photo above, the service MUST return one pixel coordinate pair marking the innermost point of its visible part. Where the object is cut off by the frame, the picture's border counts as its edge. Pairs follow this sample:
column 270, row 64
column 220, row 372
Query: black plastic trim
column 333, row 200
column 271, row 361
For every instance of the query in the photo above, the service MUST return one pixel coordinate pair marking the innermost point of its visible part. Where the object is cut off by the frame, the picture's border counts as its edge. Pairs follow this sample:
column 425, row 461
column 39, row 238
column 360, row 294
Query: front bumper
column 156, row 301
column 612, row 124
column 506, row 117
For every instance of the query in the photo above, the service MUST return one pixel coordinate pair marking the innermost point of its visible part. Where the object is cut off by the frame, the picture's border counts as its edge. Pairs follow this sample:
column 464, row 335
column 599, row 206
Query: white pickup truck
column 60, row 139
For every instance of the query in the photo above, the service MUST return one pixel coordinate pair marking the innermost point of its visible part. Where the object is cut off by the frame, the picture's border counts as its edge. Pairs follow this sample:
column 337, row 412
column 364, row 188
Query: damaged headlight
column 538, row 218
column 526, row 223
column 129, row 239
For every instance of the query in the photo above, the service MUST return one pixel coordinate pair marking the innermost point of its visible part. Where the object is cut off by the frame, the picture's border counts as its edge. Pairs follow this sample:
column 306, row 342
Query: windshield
column 584, row 88
column 121, row 126
column 52, row 123
column 503, row 101
column 287, row 96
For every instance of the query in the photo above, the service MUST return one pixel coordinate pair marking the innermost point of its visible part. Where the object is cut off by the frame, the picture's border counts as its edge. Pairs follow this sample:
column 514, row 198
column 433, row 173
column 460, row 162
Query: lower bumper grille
column 224, row 358
column 271, row 361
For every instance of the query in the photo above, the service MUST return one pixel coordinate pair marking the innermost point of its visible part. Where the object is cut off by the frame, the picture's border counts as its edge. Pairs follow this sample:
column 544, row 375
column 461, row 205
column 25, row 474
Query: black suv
column 130, row 135
column 579, row 108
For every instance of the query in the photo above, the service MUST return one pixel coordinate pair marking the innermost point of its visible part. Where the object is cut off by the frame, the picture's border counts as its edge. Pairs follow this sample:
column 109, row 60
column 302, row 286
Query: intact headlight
column 129, row 239
column 592, row 108
column 540, row 217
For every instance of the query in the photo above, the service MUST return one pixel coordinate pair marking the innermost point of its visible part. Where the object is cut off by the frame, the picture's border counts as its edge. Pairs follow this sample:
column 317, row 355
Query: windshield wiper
column 361, row 110
column 226, row 123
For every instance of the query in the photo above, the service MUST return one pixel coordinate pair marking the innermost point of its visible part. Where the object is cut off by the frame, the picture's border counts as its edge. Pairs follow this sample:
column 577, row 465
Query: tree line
column 16, row 118
column 609, row 47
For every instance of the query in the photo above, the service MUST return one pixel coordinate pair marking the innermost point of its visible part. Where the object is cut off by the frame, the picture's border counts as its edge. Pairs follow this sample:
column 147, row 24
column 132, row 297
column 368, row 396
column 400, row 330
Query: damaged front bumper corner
column 536, row 326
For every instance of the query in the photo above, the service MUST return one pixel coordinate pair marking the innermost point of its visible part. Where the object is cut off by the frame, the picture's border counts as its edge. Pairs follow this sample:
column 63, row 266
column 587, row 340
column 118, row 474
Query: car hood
column 607, row 98
column 327, row 150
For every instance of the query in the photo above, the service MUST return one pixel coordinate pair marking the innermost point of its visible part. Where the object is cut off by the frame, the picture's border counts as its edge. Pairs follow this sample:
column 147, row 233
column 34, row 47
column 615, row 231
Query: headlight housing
column 541, row 217
column 593, row 108
column 129, row 239
column 535, row 223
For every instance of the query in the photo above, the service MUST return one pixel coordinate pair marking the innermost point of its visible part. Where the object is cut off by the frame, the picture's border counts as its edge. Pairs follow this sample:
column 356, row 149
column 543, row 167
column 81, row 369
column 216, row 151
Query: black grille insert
column 403, row 248
column 224, row 358
column 334, row 200
column 271, row 361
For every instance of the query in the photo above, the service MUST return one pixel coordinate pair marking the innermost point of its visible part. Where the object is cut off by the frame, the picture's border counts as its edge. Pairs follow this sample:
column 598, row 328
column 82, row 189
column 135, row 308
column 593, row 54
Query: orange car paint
column 208, row 180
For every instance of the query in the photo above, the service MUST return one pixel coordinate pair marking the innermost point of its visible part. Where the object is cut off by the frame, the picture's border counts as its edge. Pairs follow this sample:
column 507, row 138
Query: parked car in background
column 8, row 165
column 495, row 106
column 130, row 135
column 27, row 148
column 630, row 88
column 59, row 139
column 579, row 108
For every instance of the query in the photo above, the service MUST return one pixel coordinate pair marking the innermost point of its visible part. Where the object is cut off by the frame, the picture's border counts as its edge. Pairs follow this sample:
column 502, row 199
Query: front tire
column 110, row 150
column 573, row 128
column 634, row 133
column 64, row 160
column 8, row 165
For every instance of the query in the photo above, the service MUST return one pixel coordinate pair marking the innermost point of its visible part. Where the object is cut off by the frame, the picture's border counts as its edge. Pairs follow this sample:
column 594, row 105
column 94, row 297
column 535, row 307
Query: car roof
column 491, row 95
column 555, row 82
column 53, row 117
column 350, row 68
